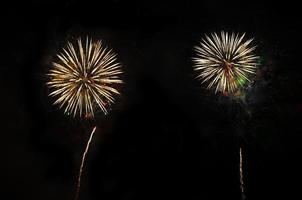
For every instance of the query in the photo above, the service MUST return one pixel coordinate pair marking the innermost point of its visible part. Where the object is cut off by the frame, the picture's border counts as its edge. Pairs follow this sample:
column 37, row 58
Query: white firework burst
column 84, row 77
column 225, row 62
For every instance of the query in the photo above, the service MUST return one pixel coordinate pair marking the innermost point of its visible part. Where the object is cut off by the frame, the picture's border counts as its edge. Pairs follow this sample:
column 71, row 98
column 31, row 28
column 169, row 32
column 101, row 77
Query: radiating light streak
column 225, row 61
column 83, row 77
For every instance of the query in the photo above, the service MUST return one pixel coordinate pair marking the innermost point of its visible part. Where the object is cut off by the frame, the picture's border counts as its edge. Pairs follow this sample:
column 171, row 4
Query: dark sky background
column 166, row 137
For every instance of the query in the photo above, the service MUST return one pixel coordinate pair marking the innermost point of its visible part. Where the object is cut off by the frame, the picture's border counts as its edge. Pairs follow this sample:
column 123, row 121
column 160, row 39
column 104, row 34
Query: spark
column 82, row 164
column 225, row 62
column 241, row 174
column 83, row 77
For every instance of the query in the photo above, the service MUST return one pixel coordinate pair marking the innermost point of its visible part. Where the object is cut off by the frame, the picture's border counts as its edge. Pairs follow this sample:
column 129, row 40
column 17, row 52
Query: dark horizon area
column 167, row 137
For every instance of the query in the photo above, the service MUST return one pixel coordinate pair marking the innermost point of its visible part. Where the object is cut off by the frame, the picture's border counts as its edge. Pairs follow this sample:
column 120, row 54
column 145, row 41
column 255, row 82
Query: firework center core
column 227, row 65
column 86, row 79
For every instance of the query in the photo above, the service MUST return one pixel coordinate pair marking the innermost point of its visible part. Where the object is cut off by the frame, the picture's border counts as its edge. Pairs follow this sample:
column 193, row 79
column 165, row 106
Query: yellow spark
column 225, row 62
column 83, row 77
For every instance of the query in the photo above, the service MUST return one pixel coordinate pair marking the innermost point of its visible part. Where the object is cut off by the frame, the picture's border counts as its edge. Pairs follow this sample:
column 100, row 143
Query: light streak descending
column 225, row 62
column 241, row 174
column 82, row 164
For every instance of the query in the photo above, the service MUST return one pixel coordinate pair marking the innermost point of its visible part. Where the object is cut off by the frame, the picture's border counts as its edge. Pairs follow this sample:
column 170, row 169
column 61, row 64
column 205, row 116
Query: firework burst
column 83, row 77
column 225, row 62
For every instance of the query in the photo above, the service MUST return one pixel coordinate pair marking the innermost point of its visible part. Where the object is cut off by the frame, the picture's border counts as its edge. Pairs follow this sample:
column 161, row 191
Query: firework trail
column 241, row 174
column 82, row 80
column 225, row 62
column 82, row 164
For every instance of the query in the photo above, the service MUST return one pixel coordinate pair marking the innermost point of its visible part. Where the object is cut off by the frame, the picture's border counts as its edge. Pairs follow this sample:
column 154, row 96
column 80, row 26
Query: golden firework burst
column 84, row 77
column 225, row 62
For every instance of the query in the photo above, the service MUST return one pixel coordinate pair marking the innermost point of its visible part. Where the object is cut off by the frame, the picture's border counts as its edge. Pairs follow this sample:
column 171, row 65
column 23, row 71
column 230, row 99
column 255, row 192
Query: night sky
column 167, row 137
